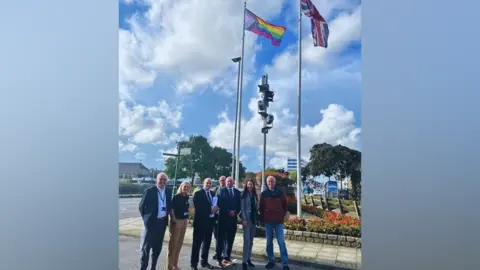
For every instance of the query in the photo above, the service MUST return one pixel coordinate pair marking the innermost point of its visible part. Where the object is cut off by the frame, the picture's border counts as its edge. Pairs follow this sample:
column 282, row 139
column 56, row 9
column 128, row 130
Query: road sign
column 185, row 151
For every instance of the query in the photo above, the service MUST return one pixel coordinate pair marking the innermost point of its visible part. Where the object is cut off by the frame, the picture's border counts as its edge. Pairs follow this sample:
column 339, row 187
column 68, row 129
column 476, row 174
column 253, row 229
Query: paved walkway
column 321, row 255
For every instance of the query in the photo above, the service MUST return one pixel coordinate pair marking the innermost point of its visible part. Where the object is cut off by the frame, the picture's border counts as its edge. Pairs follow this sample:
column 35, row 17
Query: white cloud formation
column 320, row 67
column 140, row 156
column 337, row 126
column 192, row 53
column 195, row 50
column 127, row 147
column 142, row 124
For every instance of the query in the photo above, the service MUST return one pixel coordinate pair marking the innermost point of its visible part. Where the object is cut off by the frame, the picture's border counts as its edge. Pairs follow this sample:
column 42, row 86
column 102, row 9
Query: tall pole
column 239, row 115
column 236, row 123
column 176, row 169
column 264, row 160
column 299, row 106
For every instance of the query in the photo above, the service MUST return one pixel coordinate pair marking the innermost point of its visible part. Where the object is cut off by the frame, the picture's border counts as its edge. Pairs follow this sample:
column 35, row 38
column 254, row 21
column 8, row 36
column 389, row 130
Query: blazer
column 203, row 208
column 148, row 206
column 247, row 208
column 227, row 203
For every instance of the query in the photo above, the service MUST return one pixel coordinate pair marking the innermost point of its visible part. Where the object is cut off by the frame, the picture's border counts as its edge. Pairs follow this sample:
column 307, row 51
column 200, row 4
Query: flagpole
column 236, row 124
column 240, row 90
column 299, row 107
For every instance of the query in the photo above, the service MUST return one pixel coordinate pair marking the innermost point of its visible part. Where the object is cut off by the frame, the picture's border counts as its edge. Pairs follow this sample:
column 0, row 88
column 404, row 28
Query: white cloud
column 128, row 147
column 195, row 50
column 140, row 156
column 337, row 126
column 142, row 124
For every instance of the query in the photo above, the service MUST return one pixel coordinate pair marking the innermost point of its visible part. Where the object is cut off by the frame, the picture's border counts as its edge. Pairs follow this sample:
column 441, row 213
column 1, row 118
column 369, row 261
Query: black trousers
column 202, row 239
column 152, row 239
column 215, row 233
column 227, row 228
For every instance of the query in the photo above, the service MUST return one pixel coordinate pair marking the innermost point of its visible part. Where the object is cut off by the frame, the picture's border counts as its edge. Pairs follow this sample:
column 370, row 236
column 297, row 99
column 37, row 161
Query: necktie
column 231, row 192
column 209, row 196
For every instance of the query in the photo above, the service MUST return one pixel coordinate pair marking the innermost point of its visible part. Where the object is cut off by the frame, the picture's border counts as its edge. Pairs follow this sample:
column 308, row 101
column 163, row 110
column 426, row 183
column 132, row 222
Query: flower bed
column 331, row 229
column 331, row 223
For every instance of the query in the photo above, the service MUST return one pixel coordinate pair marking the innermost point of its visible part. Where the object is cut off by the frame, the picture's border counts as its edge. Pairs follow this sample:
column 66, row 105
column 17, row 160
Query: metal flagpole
column 236, row 124
column 264, row 163
column 299, row 105
column 239, row 115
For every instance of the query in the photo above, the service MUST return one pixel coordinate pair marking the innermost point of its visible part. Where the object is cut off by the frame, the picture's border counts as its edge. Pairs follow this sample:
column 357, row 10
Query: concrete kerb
column 293, row 259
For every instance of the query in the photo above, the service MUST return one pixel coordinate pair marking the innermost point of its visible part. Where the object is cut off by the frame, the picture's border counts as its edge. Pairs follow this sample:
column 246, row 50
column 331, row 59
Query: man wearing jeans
column 273, row 208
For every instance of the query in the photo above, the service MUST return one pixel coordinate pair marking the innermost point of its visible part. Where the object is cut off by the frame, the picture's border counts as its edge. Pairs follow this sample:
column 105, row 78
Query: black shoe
column 286, row 267
column 194, row 268
column 244, row 266
column 214, row 257
column 270, row 265
column 249, row 263
column 208, row 266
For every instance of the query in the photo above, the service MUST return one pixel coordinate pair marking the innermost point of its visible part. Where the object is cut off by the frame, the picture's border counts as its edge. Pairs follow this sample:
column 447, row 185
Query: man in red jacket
column 273, row 208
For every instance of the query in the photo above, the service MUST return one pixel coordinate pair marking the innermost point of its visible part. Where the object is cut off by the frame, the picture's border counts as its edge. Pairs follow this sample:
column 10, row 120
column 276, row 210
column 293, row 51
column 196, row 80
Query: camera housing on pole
column 263, row 104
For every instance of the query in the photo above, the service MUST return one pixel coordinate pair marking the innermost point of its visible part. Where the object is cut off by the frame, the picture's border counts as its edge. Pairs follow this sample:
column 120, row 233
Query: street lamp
column 235, row 161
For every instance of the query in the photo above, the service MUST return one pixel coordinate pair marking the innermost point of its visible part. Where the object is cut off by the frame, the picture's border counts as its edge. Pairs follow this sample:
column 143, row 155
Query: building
column 131, row 170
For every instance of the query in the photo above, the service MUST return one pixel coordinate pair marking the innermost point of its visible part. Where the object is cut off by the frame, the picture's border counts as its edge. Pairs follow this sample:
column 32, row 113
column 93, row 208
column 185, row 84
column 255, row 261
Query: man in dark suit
column 204, row 203
column 229, row 207
column 154, row 208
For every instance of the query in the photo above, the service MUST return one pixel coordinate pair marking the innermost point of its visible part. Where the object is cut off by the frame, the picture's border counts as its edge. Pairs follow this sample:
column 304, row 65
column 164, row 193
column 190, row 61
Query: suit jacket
column 148, row 206
column 203, row 208
column 246, row 204
column 227, row 203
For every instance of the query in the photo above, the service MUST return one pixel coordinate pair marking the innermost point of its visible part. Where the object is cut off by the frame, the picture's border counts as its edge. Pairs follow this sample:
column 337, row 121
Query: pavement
column 130, row 260
column 313, row 255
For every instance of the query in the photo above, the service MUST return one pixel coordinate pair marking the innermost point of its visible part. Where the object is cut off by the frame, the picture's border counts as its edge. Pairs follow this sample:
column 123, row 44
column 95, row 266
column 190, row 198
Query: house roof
column 130, row 167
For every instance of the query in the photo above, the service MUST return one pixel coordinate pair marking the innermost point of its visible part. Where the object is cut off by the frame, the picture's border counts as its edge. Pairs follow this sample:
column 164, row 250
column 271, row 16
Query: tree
column 223, row 163
column 203, row 160
column 338, row 161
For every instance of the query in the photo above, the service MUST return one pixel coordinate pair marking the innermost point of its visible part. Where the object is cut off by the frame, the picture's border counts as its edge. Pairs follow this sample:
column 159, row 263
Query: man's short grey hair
column 271, row 177
column 162, row 174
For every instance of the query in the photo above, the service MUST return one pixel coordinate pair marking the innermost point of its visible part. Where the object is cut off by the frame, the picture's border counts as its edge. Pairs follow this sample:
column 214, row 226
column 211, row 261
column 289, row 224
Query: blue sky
column 177, row 80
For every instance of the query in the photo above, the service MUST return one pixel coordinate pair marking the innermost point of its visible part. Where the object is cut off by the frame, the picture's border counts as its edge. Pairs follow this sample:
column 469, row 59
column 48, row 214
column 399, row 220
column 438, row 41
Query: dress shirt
column 162, row 197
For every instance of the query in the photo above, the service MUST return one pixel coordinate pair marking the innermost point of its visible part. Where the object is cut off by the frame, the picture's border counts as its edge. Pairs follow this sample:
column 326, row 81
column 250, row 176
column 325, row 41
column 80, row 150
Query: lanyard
column 162, row 198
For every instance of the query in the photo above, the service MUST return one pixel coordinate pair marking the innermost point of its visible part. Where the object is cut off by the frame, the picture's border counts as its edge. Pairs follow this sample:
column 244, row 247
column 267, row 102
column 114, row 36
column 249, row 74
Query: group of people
column 216, row 212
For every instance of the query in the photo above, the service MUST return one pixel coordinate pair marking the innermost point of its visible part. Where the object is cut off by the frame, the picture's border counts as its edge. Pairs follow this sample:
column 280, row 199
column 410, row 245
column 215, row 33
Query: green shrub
column 320, row 226
column 355, row 231
column 296, row 224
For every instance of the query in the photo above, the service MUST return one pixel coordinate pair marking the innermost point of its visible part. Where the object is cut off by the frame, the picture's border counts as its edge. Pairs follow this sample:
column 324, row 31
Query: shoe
column 227, row 262
column 194, row 268
column 249, row 263
column 270, row 265
column 286, row 267
column 244, row 266
column 214, row 257
column 208, row 266
column 220, row 264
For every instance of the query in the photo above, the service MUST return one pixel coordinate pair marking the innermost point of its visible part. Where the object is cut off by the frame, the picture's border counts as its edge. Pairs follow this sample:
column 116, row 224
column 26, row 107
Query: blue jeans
column 278, row 227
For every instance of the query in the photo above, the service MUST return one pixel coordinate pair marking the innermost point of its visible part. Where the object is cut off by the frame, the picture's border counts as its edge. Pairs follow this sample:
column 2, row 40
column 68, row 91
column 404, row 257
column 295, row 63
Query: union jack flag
column 320, row 29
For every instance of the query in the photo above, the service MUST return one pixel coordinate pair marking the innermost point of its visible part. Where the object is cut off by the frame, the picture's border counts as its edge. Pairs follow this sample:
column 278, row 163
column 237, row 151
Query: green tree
column 338, row 161
column 203, row 161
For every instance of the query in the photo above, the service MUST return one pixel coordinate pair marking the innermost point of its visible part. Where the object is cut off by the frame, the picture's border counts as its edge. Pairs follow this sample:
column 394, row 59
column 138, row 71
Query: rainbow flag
column 257, row 25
